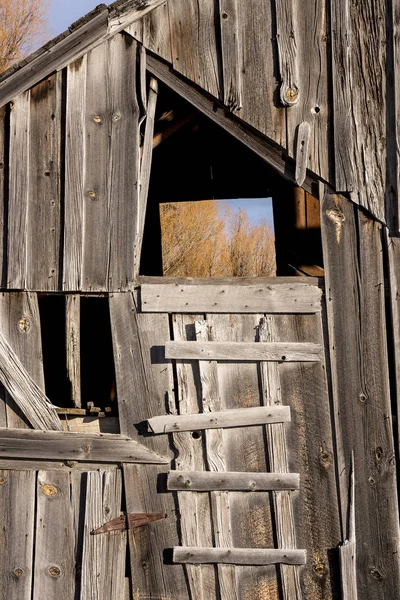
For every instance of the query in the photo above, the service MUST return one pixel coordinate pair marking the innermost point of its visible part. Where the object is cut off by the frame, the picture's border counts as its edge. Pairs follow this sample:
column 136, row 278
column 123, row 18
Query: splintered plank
column 142, row 372
column 97, row 447
column 194, row 42
column 20, row 325
column 223, row 481
column 24, row 390
column 101, row 168
column 216, row 461
column 73, row 350
column 216, row 298
column 17, row 509
column 44, row 207
column 103, row 560
column 244, row 351
column 19, row 191
column 239, row 556
column 195, row 509
column 54, row 571
column 240, row 417
column 278, row 460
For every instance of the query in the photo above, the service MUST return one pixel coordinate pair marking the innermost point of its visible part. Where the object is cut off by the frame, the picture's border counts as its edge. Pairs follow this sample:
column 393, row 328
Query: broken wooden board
column 240, row 417
column 62, row 445
column 244, row 351
column 218, row 298
column 238, row 556
column 207, row 481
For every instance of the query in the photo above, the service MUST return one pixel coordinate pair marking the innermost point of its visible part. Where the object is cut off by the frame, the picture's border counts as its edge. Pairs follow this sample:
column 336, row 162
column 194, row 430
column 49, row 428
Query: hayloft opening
column 198, row 169
column 78, row 356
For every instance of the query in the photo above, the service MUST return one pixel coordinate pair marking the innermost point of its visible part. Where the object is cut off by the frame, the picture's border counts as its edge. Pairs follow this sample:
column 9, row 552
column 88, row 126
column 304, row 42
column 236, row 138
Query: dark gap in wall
column 97, row 358
column 52, row 321
column 6, row 188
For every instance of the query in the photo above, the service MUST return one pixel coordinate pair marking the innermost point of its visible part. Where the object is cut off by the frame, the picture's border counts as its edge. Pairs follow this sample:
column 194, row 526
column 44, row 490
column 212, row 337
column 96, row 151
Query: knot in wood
column 55, row 571
column 320, row 569
column 289, row 95
column 2, row 480
column 116, row 117
column 18, row 572
column 97, row 119
column 49, row 490
column 24, row 324
column 92, row 194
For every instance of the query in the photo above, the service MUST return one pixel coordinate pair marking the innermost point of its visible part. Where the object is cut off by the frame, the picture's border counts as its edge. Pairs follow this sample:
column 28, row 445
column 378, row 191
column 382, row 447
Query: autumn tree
column 23, row 25
column 207, row 239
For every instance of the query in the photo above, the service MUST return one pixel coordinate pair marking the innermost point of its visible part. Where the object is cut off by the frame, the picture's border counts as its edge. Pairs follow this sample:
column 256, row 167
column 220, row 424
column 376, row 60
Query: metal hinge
column 129, row 521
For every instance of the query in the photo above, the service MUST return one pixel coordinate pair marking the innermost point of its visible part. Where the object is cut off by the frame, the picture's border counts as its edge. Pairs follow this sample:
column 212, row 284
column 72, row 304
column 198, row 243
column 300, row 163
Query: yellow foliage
column 23, row 24
column 199, row 239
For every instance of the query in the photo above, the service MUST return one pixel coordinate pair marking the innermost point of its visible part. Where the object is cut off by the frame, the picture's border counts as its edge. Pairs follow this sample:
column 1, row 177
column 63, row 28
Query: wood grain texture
column 103, row 560
column 73, row 346
column 97, row 447
column 356, row 319
column 42, row 235
column 286, row 36
column 392, row 246
column 302, row 144
column 17, row 506
column 239, row 556
column 348, row 549
column 218, row 298
column 33, row 403
column 195, row 509
column 142, row 373
column 279, row 352
column 231, row 54
column 4, row 164
column 54, row 570
column 278, row 461
column 246, row 482
column 215, row 441
column 153, row 31
column 240, row 417
column 194, row 43
column 20, row 325
column 19, row 191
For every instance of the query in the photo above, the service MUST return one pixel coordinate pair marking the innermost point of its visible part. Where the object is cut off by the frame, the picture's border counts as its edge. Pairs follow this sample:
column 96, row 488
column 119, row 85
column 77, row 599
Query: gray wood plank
column 302, row 144
column 286, row 36
column 357, row 344
column 215, row 297
column 347, row 550
column 4, row 164
column 259, row 71
column 342, row 95
column 145, row 170
column 103, row 561
column 96, row 447
column 245, row 451
column 216, row 462
column 231, row 54
column 276, row 158
column 278, row 460
column 75, row 149
column 33, row 403
column 239, row 556
column 279, row 352
column 198, row 481
column 194, row 43
column 156, row 32
column 17, row 507
column 20, row 325
column 19, row 191
column 136, row 339
column 235, row 282
column 54, row 569
column 73, row 346
column 240, row 417
column 128, row 14
column 191, row 456
column 393, row 253
column 69, row 466
column 44, row 206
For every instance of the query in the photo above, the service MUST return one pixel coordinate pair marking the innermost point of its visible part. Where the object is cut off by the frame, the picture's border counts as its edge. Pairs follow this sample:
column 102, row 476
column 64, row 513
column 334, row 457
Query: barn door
column 234, row 386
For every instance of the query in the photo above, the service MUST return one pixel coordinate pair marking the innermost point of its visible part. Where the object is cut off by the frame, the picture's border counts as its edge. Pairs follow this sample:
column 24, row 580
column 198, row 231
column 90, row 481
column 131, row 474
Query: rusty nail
column 55, row 571
column 18, row 572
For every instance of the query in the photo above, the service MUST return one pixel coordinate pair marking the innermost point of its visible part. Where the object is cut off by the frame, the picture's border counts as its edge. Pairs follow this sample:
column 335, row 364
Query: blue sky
column 64, row 12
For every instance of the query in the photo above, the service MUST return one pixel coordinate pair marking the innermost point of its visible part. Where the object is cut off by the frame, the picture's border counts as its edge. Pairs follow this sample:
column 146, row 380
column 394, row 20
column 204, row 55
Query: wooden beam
column 276, row 158
column 238, row 556
column 216, row 298
column 239, row 417
column 73, row 346
column 247, row 351
column 62, row 445
column 36, row 407
column 347, row 552
column 208, row 481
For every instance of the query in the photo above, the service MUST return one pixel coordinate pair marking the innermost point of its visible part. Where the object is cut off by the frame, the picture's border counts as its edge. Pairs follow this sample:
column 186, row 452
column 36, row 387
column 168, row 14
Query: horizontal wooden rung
column 207, row 481
column 269, row 297
column 238, row 556
column 238, row 417
column 244, row 351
